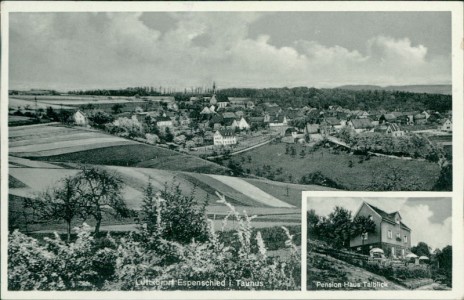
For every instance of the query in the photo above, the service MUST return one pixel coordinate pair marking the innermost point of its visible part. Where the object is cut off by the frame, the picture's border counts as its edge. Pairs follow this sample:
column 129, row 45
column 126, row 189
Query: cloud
column 88, row 50
column 436, row 235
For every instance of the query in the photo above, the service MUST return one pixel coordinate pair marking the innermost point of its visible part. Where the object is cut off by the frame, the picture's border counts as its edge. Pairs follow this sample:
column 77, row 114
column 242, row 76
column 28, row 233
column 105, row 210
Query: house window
column 405, row 239
column 390, row 234
column 371, row 218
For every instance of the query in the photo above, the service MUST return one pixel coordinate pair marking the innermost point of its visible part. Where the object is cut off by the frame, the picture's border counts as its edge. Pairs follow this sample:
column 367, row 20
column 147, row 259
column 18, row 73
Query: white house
column 278, row 121
column 80, row 118
column 206, row 111
column 241, row 124
column 360, row 125
column 224, row 137
column 394, row 130
column 164, row 122
column 223, row 103
column 446, row 125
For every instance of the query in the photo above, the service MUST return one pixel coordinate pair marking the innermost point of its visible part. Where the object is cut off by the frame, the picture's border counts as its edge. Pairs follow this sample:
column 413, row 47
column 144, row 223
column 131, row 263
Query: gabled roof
column 226, row 132
column 332, row 121
column 443, row 121
column 389, row 116
column 361, row 123
column 228, row 115
column 257, row 119
column 394, row 127
column 161, row 119
column 277, row 119
column 397, row 114
column 81, row 112
column 389, row 217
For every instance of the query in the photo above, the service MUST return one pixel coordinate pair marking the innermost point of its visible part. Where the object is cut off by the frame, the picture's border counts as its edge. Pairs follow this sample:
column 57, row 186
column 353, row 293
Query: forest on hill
column 350, row 99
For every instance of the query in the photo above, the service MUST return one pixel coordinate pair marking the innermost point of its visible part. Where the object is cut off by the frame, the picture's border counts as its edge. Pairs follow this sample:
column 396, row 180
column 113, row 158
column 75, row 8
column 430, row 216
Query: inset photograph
column 379, row 243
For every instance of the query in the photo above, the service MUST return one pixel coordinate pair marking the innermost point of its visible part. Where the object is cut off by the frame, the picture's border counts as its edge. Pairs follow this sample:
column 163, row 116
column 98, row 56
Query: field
column 79, row 145
column 45, row 140
column 69, row 102
column 332, row 165
column 29, row 178
column 15, row 103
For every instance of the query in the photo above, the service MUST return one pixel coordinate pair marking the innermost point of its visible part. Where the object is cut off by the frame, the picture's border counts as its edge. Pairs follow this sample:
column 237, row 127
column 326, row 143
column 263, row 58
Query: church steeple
column 213, row 100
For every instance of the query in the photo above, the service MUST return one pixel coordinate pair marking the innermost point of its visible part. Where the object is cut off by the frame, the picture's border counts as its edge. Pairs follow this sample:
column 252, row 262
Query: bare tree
column 58, row 204
column 100, row 193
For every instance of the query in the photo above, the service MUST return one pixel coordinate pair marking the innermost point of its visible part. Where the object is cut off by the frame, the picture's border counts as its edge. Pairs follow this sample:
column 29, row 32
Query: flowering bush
column 147, row 260
column 56, row 265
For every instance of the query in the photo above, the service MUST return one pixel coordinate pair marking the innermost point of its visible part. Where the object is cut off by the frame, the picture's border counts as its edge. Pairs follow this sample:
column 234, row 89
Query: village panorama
column 201, row 164
column 345, row 138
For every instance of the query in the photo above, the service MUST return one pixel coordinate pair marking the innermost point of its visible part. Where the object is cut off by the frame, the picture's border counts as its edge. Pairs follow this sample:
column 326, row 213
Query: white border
column 457, row 194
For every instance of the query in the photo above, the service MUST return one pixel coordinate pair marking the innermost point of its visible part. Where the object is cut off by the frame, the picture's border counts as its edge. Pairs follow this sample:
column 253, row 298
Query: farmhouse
column 331, row 125
column 311, row 128
column 394, row 130
column 387, row 118
column 206, row 111
column 238, row 102
column 164, row 122
column 224, row 137
column 223, row 103
column 391, row 234
column 446, row 125
column 360, row 125
column 80, row 118
column 240, row 124
column 420, row 119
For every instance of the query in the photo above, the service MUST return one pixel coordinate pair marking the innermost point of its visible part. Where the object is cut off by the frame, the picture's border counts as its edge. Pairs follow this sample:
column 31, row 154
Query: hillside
column 80, row 145
column 326, row 269
column 29, row 178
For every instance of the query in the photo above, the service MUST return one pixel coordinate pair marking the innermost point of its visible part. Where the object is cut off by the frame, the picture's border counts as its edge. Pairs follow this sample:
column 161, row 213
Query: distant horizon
column 89, row 50
column 180, row 90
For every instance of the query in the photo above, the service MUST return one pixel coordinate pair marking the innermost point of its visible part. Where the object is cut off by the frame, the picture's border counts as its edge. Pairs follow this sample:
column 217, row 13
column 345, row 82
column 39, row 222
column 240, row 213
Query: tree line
column 350, row 99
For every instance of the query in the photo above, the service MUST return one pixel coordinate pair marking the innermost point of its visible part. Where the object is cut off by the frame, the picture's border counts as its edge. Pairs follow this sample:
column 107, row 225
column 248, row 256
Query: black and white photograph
column 166, row 146
column 379, row 243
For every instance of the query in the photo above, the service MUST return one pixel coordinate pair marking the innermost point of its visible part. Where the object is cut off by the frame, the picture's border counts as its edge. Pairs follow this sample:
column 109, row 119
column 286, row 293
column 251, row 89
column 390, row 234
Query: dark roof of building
column 389, row 217
column 256, row 119
column 226, row 132
column 362, row 123
column 161, row 119
column 394, row 127
column 277, row 119
column 332, row 121
column 389, row 116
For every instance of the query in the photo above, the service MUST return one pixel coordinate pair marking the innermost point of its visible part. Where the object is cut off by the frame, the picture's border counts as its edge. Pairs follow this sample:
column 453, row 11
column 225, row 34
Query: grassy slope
column 334, row 166
column 327, row 269
column 139, row 155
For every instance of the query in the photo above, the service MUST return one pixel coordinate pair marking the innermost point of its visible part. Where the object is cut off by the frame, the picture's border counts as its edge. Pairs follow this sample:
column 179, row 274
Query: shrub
column 108, row 264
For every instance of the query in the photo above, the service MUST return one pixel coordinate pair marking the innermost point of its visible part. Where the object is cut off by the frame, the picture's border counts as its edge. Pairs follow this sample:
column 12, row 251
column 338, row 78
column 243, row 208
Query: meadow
column 353, row 172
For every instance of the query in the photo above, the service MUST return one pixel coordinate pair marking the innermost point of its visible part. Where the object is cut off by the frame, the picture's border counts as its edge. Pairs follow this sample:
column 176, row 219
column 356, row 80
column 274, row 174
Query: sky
column 83, row 50
column 428, row 218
